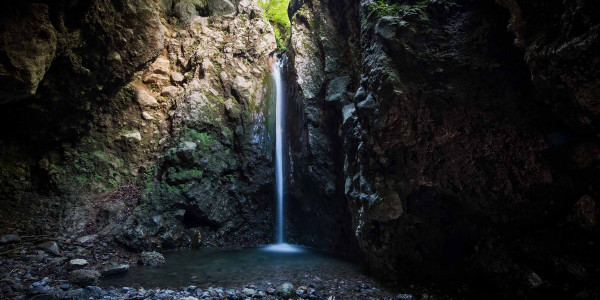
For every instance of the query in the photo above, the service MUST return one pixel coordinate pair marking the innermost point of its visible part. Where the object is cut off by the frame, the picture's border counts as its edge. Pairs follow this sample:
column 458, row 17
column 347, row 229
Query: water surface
column 231, row 268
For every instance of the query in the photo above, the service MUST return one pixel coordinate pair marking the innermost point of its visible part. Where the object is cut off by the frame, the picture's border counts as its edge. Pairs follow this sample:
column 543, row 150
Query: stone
column 77, row 263
column 286, row 290
column 50, row 247
column 160, row 66
column 86, row 239
column 189, row 298
column 151, row 258
column 220, row 7
column 114, row 270
column 248, row 292
column 404, row 297
column 9, row 239
column 147, row 116
column 177, row 77
column 133, row 136
column 84, row 277
column 159, row 80
column 146, row 100
column 185, row 11
column 170, row 91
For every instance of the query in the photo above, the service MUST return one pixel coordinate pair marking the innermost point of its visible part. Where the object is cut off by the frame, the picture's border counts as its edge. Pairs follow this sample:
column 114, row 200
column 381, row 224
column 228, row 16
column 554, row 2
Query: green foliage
column 276, row 13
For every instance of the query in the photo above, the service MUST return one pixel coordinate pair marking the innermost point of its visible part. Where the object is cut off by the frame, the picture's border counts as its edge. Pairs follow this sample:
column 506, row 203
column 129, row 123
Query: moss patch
column 276, row 14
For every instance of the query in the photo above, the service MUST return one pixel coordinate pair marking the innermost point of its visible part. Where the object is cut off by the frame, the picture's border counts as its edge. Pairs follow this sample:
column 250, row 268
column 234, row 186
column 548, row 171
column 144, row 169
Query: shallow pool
column 204, row 268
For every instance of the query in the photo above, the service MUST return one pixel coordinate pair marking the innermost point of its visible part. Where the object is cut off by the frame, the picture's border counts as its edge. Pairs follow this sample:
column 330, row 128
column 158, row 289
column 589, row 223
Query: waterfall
column 280, row 245
column 279, row 135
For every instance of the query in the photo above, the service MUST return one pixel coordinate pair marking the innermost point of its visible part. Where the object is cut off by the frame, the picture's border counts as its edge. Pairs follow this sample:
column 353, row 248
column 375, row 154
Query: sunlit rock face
column 149, row 127
column 443, row 137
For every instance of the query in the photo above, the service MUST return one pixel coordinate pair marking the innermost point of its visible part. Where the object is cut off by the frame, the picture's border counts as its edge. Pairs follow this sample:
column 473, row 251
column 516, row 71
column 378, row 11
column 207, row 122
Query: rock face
column 142, row 127
column 212, row 184
column 454, row 159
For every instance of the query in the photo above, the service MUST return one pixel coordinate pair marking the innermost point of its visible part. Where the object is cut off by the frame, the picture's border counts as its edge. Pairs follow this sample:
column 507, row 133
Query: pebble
column 404, row 297
column 9, row 238
column 50, row 247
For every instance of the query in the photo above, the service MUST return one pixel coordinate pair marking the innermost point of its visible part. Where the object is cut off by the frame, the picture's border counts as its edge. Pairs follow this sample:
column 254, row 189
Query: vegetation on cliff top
column 276, row 13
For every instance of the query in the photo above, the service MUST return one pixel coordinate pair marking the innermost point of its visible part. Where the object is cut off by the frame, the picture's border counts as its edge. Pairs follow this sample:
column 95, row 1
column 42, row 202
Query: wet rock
column 77, row 263
column 285, row 290
column 84, row 277
column 404, row 297
column 152, row 258
column 189, row 298
column 146, row 100
column 50, row 247
column 114, row 270
column 9, row 239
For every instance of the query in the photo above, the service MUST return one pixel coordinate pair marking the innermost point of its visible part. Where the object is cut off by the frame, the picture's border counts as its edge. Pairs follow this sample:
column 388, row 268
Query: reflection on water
column 233, row 268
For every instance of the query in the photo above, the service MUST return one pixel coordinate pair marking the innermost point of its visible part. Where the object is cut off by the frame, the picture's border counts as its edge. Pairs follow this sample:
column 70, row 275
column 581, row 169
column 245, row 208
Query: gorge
column 304, row 149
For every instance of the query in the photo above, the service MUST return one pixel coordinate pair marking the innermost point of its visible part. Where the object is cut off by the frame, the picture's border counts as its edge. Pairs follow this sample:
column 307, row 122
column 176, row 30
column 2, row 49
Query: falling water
column 280, row 246
column 279, row 133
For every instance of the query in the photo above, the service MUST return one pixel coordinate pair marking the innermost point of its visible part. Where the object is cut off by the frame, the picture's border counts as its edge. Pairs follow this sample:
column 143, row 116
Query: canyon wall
column 141, row 122
column 457, row 137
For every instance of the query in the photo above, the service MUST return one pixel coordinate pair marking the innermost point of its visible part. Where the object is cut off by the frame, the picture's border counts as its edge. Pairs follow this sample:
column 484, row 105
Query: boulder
column 84, row 277
column 185, row 11
column 151, row 258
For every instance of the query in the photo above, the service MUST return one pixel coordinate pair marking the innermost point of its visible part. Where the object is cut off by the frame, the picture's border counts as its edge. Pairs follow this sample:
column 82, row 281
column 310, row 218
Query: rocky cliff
column 457, row 136
column 144, row 122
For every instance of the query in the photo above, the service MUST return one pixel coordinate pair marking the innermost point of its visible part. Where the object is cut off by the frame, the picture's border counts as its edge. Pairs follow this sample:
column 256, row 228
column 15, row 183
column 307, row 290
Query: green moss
column 385, row 8
column 276, row 14
column 186, row 175
column 205, row 139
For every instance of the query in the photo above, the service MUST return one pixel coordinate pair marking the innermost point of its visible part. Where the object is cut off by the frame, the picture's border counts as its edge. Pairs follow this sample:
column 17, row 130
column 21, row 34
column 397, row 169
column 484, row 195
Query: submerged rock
column 114, row 270
column 152, row 259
